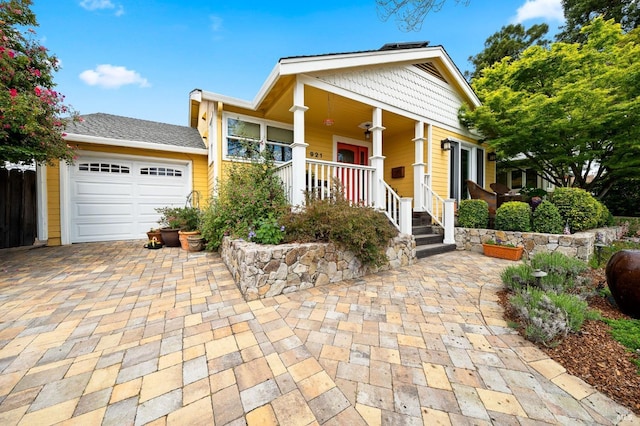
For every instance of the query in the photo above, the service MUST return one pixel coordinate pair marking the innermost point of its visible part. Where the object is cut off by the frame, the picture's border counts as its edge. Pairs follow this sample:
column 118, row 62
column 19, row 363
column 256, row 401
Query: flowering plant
column 32, row 114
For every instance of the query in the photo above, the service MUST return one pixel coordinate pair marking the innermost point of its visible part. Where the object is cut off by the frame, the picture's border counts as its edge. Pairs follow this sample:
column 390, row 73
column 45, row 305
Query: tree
column 510, row 41
column 579, row 13
column 32, row 114
column 571, row 110
column 410, row 14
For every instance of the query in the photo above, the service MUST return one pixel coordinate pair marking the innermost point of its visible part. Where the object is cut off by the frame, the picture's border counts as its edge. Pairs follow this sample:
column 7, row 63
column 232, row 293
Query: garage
column 115, row 197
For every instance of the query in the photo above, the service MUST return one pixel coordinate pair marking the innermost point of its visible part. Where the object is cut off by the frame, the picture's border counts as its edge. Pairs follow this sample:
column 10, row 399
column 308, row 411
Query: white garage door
column 115, row 198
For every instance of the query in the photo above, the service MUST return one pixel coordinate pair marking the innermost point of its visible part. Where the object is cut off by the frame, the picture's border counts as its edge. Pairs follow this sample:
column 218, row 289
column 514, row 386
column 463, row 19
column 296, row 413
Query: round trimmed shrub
column 473, row 214
column 547, row 219
column 513, row 216
column 577, row 207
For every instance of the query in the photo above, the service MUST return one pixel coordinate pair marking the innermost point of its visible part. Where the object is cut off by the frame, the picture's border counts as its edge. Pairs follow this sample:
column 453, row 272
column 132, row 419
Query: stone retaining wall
column 580, row 245
column 267, row 270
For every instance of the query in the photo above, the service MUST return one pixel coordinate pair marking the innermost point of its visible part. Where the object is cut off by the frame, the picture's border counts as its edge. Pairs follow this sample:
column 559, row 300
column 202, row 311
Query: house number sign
column 315, row 154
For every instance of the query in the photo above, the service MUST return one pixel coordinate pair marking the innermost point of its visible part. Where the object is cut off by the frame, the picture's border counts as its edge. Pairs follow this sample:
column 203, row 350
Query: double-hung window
column 246, row 137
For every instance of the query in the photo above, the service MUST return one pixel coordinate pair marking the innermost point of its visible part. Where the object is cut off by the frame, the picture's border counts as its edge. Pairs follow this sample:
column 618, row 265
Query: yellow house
column 384, row 123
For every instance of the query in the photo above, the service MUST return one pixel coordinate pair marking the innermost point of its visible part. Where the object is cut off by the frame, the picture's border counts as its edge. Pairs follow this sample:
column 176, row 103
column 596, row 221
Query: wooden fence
column 17, row 208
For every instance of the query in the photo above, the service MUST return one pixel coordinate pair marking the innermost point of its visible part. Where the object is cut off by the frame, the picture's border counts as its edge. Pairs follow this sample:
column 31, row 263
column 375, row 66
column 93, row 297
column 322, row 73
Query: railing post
column 405, row 215
column 449, row 229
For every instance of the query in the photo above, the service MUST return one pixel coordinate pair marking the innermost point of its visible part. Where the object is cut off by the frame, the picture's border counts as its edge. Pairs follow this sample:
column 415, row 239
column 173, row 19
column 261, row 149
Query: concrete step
column 422, row 230
column 425, row 239
column 432, row 249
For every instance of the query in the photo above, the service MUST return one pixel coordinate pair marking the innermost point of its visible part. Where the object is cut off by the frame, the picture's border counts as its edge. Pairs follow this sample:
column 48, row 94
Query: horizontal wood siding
column 399, row 151
column 53, row 203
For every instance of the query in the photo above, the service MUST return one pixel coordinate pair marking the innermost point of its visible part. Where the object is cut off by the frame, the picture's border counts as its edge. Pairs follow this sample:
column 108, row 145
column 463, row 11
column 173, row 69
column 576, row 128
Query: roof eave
column 74, row 137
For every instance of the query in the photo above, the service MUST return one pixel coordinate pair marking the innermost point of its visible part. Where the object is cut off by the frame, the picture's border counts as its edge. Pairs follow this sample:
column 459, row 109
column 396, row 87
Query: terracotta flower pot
column 182, row 235
column 502, row 252
column 155, row 234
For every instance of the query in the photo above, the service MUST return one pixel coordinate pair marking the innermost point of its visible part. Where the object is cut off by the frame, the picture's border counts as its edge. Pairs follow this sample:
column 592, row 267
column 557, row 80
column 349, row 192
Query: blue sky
column 142, row 58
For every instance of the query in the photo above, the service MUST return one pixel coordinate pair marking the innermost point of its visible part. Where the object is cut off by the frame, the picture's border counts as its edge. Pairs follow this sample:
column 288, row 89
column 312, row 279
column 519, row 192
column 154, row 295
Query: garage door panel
column 173, row 189
column 108, row 204
column 103, row 189
column 104, row 232
column 101, row 209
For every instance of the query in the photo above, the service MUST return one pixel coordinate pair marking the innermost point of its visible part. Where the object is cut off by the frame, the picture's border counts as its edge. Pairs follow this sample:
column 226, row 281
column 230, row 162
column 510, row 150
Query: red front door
column 353, row 181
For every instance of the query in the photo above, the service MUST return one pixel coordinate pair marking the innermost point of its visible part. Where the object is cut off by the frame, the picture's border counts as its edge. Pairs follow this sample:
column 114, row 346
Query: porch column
column 449, row 229
column 418, row 167
column 298, row 147
column 377, row 159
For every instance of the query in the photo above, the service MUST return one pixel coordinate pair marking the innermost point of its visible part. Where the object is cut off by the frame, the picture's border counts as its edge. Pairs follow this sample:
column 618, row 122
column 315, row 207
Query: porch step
column 428, row 241
column 431, row 249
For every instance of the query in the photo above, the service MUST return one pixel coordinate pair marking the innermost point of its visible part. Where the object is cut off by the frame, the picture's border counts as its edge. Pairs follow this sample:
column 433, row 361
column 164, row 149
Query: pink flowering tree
column 32, row 114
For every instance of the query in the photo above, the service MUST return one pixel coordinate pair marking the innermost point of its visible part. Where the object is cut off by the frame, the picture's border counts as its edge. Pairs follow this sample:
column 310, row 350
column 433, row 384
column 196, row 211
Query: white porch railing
column 441, row 210
column 357, row 183
column 285, row 173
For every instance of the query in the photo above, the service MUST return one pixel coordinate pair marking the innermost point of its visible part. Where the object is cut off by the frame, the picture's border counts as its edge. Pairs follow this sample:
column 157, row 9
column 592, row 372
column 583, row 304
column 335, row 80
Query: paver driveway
column 114, row 334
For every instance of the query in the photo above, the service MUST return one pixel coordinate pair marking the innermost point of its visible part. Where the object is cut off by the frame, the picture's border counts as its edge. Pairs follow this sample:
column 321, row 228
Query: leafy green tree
column 32, row 114
column 579, row 13
column 571, row 110
column 410, row 14
column 510, row 41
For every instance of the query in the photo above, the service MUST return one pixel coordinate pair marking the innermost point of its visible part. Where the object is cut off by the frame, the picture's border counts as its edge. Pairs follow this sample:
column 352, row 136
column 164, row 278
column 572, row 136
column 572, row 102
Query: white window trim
column 263, row 132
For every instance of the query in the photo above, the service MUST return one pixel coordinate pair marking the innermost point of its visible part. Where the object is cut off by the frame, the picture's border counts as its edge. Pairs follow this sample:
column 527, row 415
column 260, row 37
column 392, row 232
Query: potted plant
column 155, row 233
column 169, row 226
column 189, row 223
column 502, row 251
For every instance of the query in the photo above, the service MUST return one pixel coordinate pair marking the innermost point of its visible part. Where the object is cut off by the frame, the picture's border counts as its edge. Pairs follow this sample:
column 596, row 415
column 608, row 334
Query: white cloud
column 112, row 77
column 102, row 4
column 548, row 10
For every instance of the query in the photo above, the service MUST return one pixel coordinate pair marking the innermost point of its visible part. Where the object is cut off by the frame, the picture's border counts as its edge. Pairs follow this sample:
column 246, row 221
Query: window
column 160, row 171
column 516, row 179
column 531, row 178
column 245, row 138
column 103, row 168
column 278, row 141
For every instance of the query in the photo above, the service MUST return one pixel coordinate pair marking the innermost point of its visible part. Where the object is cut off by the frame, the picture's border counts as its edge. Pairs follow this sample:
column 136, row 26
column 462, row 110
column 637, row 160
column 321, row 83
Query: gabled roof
column 389, row 54
column 127, row 131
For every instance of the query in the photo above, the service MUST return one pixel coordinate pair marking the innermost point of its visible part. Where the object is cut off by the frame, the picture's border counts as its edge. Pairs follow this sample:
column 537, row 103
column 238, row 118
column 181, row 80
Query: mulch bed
column 593, row 355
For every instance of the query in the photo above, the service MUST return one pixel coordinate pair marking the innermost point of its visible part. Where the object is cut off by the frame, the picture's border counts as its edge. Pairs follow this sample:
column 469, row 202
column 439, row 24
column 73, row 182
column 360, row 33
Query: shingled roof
column 133, row 129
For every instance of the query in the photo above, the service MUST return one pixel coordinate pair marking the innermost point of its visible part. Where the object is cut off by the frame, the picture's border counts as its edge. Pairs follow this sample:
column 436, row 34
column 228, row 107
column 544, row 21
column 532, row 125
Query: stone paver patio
column 115, row 334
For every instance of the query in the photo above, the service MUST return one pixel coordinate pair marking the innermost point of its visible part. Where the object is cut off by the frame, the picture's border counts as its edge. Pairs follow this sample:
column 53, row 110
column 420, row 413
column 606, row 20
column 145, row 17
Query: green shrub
column 517, row 277
column 631, row 223
column 627, row 332
column 473, row 214
column 513, row 216
column 578, row 208
column 361, row 230
column 548, row 317
column 547, row 219
column 250, row 193
column 268, row 231
column 606, row 218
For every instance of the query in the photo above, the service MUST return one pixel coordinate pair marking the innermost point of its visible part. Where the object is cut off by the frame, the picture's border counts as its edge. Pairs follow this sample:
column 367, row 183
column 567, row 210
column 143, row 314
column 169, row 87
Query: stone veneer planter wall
column 579, row 245
column 269, row 270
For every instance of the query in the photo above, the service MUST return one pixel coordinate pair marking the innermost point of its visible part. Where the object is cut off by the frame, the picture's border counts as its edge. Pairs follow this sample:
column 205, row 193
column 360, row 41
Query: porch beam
column 299, row 146
column 418, row 166
column 377, row 160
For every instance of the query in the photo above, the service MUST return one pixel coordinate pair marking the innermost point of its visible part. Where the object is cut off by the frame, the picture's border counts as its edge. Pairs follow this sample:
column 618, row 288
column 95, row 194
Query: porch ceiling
column 346, row 113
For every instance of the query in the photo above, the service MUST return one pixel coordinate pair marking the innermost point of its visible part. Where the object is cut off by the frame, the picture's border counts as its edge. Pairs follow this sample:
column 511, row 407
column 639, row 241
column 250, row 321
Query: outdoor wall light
column 366, row 126
column 491, row 156
column 445, row 144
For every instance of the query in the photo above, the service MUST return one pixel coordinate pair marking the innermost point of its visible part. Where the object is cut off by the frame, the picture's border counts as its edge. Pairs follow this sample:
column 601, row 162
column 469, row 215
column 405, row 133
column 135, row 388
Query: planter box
column 502, row 252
